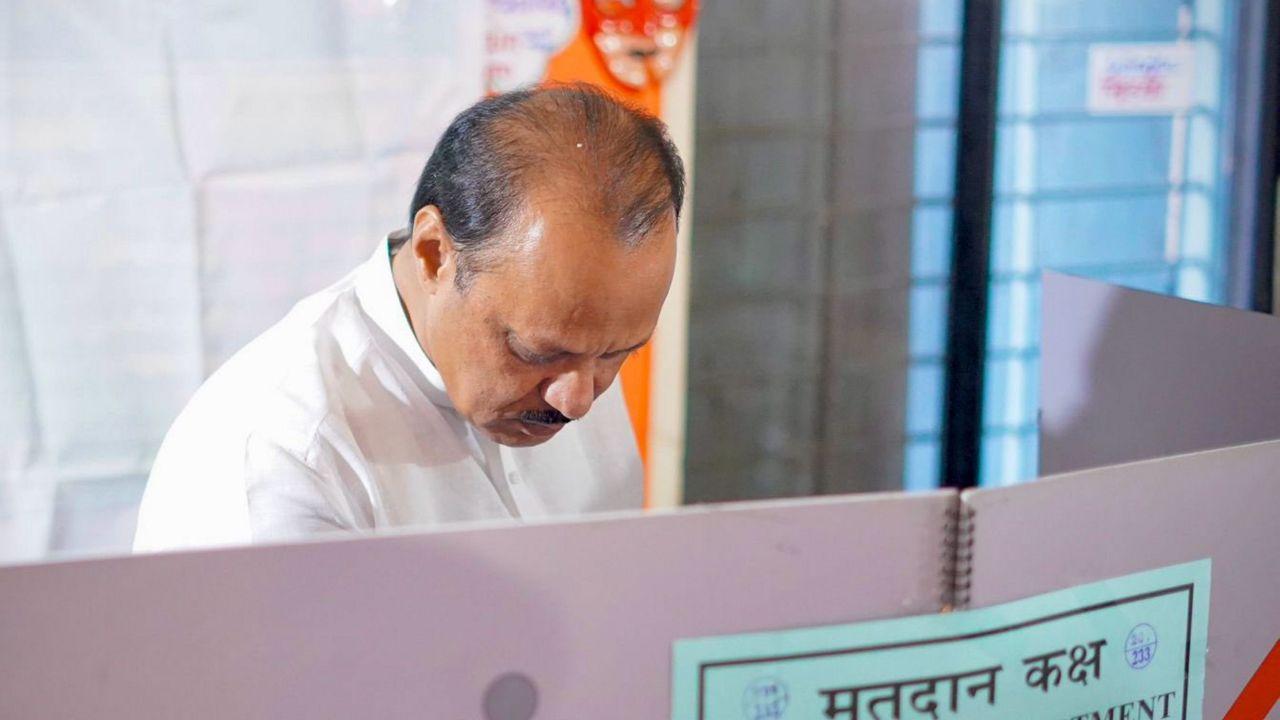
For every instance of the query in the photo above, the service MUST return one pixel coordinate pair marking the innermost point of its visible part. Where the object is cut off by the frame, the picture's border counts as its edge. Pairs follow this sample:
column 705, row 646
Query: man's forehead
column 564, row 196
column 551, row 307
column 565, row 281
column 562, row 230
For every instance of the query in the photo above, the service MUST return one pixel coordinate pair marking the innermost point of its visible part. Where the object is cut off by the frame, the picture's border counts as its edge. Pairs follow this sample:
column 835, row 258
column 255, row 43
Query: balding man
column 465, row 371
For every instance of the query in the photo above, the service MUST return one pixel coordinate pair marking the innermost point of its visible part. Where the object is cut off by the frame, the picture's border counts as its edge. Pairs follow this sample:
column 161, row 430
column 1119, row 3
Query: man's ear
column 435, row 259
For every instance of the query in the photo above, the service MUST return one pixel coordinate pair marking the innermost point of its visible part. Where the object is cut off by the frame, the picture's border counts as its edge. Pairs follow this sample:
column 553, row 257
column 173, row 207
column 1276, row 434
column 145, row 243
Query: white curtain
column 173, row 177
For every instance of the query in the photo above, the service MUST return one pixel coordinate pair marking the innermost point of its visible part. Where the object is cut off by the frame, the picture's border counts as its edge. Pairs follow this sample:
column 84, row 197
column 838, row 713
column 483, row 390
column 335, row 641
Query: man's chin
column 517, row 433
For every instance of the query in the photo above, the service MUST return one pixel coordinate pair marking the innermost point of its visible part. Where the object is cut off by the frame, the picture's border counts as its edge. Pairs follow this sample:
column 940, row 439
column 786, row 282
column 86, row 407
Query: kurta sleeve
column 288, row 498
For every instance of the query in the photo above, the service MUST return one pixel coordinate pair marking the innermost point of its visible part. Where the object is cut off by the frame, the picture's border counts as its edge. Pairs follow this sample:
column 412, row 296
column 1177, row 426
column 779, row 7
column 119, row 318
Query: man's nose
column 571, row 393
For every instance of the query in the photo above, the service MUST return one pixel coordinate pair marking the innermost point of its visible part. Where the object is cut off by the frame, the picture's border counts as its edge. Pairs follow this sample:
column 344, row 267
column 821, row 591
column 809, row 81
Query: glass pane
column 1134, row 199
column 938, row 90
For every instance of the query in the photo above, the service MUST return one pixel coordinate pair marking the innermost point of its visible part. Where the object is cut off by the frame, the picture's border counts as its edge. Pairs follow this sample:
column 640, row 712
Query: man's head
column 541, row 248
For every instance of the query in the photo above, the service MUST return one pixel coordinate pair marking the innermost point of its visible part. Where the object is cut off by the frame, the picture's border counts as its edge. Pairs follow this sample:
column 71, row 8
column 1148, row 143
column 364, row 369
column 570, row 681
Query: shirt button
column 513, row 478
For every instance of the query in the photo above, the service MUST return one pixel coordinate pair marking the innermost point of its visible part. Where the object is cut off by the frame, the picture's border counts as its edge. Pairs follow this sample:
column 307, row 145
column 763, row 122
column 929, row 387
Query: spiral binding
column 957, row 561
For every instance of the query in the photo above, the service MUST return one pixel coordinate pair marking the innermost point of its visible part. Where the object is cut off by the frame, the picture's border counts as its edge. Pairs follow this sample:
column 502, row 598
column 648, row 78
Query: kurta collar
column 376, row 289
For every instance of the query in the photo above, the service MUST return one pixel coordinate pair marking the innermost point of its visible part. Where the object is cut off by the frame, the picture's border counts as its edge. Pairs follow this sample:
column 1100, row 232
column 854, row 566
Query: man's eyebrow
column 555, row 352
column 512, row 337
column 633, row 348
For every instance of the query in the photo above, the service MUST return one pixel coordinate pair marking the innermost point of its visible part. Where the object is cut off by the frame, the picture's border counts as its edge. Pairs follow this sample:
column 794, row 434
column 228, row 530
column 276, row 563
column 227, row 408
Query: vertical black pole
column 1257, row 156
column 971, row 243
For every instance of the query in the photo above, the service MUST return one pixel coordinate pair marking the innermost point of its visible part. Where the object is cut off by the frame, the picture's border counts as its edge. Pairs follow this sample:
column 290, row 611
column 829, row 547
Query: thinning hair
column 611, row 159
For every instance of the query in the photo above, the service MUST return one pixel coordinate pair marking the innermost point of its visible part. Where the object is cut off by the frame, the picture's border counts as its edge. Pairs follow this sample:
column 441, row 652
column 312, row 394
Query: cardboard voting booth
column 1091, row 525
column 1143, row 589
column 1131, row 375
column 579, row 619
column 421, row 626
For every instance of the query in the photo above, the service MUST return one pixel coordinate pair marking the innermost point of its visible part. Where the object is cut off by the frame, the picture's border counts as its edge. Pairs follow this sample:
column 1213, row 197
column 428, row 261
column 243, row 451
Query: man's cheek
column 510, row 390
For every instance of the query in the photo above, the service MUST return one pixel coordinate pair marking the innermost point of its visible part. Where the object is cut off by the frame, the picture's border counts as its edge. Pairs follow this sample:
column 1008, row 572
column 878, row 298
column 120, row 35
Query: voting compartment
column 582, row 614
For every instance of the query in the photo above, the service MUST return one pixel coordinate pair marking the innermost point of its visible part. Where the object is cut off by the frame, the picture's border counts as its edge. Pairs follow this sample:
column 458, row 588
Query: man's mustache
column 544, row 417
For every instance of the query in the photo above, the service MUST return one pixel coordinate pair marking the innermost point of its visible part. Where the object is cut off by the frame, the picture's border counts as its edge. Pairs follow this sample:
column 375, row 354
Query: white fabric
column 174, row 176
column 335, row 419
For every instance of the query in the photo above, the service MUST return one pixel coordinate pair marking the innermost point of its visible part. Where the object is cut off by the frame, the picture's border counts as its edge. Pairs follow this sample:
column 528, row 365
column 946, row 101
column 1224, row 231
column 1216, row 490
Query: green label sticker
column 1131, row 648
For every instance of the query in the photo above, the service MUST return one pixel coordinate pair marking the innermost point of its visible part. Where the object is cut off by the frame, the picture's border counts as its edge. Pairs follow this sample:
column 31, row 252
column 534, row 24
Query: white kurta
column 334, row 419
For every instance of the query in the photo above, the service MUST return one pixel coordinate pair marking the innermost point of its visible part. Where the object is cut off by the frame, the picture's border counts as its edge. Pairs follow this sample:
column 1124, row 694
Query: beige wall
column 668, row 378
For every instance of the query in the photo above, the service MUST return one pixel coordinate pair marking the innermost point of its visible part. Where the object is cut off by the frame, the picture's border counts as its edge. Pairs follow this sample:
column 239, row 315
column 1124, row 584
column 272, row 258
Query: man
column 449, row 378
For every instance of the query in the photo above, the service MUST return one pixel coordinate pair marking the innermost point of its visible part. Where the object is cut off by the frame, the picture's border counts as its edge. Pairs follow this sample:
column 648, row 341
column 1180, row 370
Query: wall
column 804, row 200
column 173, row 177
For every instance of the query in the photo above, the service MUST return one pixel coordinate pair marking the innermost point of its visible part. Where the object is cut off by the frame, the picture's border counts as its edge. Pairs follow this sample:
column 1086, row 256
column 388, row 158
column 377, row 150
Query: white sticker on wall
column 1140, row 79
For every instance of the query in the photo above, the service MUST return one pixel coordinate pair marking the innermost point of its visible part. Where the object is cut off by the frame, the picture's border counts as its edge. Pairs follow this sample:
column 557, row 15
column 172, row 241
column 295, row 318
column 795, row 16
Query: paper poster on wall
column 1131, row 647
column 520, row 38
column 1141, row 78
